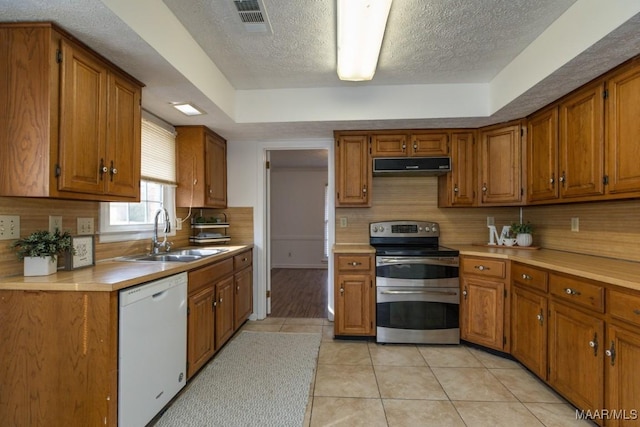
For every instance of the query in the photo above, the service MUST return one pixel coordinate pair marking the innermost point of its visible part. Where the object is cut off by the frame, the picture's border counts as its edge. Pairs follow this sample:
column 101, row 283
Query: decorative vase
column 38, row 266
column 524, row 239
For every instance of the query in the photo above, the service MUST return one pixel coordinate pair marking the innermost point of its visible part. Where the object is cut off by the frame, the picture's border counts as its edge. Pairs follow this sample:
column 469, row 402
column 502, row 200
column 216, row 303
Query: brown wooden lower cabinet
column 58, row 358
column 220, row 300
column 622, row 356
column 529, row 329
column 576, row 355
column 354, row 295
column 483, row 312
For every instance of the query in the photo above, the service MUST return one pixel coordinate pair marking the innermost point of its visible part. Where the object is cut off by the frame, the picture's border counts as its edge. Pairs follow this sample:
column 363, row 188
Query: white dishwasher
column 152, row 350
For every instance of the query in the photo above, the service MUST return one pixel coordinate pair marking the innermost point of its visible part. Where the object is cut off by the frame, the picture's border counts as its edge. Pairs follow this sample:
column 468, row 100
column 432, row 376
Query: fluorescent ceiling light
column 187, row 109
column 361, row 25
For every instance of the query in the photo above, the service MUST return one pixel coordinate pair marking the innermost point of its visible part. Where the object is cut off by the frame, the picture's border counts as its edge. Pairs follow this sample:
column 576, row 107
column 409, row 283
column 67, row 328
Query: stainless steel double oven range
column 417, row 284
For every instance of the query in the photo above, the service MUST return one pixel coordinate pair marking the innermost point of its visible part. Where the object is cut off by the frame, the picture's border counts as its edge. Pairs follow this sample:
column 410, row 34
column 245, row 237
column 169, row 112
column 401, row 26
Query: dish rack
column 209, row 230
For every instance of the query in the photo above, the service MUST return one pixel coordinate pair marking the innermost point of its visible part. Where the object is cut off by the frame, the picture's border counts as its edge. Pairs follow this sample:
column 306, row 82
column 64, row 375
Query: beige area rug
column 258, row 379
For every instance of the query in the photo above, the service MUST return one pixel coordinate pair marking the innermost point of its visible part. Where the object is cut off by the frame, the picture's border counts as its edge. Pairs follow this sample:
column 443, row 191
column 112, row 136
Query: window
column 134, row 221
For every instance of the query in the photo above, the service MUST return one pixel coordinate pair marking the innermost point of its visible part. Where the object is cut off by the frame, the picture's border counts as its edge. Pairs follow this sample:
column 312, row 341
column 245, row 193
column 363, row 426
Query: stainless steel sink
column 180, row 255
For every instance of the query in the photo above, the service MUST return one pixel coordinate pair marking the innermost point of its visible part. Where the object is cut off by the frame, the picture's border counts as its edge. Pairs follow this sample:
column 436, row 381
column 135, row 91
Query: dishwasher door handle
column 159, row 295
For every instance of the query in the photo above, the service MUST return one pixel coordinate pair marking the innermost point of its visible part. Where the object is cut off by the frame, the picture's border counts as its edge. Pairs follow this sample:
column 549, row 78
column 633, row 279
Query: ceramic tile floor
column 360, row 383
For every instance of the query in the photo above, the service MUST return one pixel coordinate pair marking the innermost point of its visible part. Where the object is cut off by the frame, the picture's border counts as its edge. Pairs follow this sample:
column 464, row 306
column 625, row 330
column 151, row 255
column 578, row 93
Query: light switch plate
column 85, row 226
column 575, row 224
column 9, row 227
column 343, row 221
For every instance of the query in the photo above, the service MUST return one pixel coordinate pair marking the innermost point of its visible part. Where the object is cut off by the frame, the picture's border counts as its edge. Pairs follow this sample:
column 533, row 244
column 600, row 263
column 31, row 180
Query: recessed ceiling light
column 188, row 109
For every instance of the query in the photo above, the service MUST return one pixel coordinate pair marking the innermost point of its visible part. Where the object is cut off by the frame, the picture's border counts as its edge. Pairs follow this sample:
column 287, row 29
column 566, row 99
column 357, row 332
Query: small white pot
column 524, row 239
column 37, row 266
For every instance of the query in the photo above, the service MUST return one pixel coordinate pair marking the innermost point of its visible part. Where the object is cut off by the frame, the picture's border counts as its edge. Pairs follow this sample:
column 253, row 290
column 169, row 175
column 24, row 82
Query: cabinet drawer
column 579, row 291
column 530, row 276
column 624, row 306
column 354, row 262
column 201, row 277
column 242, row 260
column 484, row 267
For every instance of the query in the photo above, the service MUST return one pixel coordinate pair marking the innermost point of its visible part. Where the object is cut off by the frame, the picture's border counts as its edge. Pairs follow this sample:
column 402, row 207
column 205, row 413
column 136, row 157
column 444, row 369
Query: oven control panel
column 404, row 229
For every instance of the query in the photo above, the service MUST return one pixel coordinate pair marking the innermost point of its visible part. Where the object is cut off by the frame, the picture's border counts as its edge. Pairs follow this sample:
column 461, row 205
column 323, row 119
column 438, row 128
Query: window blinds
column 158, row 153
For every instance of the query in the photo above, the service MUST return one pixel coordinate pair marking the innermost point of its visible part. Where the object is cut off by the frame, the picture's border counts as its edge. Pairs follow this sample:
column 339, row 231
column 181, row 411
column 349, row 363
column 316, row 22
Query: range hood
column 411, row 166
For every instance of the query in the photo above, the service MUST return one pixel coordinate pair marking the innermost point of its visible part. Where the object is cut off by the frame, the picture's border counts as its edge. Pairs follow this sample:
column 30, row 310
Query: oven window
column 417, row 315
column 416, row 271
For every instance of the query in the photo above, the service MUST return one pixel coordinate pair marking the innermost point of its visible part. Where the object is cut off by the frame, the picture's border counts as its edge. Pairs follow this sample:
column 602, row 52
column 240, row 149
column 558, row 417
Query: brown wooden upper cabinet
column 71, row 119
column 419, row 143
column 353, row 170
column 458, row 188
column 542, row 156
column 581, row 157
column 202, row 168
column 499, row 166
column 622, row 167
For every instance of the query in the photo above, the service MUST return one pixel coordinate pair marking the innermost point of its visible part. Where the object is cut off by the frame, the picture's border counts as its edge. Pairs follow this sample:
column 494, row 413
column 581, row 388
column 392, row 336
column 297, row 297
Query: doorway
column 298, row 232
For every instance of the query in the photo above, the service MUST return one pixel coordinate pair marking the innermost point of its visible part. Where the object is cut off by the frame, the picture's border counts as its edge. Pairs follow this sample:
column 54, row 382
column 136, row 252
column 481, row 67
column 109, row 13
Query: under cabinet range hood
column 411, row 166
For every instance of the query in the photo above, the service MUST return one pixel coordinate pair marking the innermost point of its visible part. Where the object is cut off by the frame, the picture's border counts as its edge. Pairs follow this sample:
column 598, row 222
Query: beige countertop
column 613, row 271
column 111, row 275
column 353, row 248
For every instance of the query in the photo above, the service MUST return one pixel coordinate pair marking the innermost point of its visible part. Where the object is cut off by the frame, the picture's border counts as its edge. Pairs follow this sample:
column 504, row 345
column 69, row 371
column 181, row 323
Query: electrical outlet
column 9, row 227
column 575, row 224
column 343, row 221
column 178, row 224
column 491, row 221
column 55, row 223
column 85, row 226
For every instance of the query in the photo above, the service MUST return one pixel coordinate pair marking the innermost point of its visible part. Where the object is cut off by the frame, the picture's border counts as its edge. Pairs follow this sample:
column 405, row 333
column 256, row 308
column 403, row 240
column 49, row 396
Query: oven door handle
column 419, row 292
column 451, row 262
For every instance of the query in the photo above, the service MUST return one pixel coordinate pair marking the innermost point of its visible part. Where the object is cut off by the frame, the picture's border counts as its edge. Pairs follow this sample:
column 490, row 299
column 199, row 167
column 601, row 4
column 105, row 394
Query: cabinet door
column 623, row 149
column 354, row 304
column 500, row 176
column 529, row 330
column 576, row 347
column 482, row 312
column 353, row 171
column 389, row 145
column 215, row 172
column 82, row 122
column 542, row 156
column 200, row 329
column 582, row 143
column 432, row 143
column 224, row 311
column 623, row 377
column 123, row 138
column 458, row 187
column 243, row 299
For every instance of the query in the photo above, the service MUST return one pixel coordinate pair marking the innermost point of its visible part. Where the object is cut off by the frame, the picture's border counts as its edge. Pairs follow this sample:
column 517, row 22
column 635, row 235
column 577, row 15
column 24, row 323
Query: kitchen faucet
column 155, row 245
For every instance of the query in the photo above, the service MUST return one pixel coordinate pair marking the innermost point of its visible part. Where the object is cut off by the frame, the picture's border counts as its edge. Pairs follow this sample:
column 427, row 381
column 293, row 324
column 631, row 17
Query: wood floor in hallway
column 299, row 292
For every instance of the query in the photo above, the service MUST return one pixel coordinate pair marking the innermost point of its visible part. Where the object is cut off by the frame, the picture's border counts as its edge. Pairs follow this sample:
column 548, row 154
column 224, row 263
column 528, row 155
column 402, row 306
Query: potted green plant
column 523, row 233
column 40, row 251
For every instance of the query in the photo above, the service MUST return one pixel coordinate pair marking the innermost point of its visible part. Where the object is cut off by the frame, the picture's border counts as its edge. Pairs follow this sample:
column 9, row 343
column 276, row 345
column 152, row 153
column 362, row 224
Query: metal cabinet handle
column 594, row 344
column 364, row 190
column 341, row 290
column 356, row 263
column 526, row 277
column 415, row 147
column 611, row 353
column 102, row 169
column 481, row 267
column 404, row 146
column 112, row 170
column 484, row 187
column 552, row 180
column 464, row 293
column 220, row 300
column 563, row 178
column 244, row 259
column 570, row 291
column 540, row 317
column 455, row 188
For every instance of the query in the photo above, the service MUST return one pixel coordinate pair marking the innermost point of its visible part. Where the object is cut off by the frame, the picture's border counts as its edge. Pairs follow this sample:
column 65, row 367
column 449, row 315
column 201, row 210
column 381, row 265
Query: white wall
column 297, row 218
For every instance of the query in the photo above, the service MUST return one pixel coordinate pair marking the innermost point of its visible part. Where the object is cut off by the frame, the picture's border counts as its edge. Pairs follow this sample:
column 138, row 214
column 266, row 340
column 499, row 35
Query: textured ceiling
column 435, row 41
column 438, row 41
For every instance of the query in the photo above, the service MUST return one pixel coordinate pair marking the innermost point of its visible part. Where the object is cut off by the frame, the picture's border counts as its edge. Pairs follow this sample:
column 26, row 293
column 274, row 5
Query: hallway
column 299, row 293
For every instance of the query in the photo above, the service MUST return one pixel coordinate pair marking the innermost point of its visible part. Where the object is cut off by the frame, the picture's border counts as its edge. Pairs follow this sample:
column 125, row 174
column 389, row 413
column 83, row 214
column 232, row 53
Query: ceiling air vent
column 253, row 15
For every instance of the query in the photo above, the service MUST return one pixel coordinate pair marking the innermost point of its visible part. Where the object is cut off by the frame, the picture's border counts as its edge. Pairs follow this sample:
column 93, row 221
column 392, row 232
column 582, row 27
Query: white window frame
column 120, row 233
